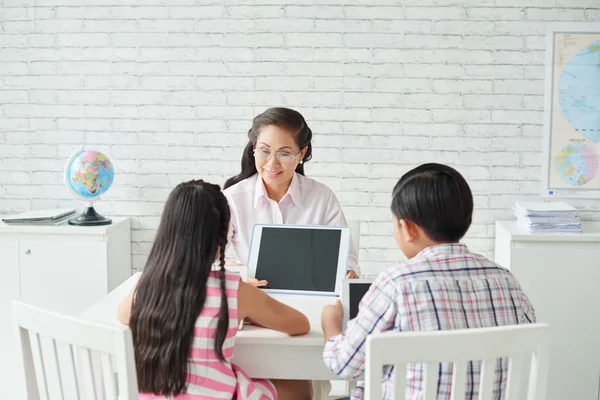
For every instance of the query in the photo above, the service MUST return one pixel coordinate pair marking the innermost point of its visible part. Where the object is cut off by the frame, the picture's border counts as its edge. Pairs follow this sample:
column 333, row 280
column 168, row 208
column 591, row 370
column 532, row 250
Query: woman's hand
column 256, row 283
column 233, row 263
column 351, row 275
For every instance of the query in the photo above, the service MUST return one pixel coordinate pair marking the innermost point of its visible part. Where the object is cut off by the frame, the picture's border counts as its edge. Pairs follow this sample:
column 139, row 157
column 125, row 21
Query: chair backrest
column 67, row 358
column 518, row 343
column 354, row 225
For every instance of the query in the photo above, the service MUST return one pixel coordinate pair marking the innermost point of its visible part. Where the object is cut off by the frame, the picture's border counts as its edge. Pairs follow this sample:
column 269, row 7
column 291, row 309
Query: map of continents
column 88, row 172
column 579, row 99
column 576, row 164
column 579, row 92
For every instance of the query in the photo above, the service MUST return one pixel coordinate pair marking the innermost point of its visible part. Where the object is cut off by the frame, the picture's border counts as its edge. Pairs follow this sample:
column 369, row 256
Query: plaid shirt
column 444, row 287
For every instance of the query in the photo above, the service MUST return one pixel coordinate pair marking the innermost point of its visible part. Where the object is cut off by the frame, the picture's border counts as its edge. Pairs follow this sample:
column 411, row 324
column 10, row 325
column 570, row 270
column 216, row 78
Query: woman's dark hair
column 437, row 198
column 172, row 289
column 285, row 118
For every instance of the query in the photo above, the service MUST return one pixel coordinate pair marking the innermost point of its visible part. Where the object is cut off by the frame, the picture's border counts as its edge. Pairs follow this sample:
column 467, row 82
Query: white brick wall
column 168, row 89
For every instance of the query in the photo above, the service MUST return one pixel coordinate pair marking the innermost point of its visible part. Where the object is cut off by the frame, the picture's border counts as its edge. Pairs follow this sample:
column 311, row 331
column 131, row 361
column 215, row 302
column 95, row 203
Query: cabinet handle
column 28, row 252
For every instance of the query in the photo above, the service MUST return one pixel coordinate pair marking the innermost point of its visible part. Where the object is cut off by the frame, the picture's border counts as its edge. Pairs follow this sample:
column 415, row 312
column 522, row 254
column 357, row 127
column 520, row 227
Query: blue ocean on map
column 579, row 92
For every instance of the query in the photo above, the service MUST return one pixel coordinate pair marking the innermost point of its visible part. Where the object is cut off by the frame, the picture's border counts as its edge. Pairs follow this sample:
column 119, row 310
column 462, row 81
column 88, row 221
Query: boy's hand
column 333, row 312
column 351, row 275
column 331, row 319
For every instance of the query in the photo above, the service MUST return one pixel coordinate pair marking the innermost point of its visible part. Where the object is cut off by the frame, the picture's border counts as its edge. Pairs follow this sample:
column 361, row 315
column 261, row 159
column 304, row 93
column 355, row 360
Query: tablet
column 300, row 259
column 353, row 291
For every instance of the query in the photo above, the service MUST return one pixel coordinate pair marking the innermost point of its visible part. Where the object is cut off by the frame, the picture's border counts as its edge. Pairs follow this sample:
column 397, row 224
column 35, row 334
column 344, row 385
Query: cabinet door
column 66, row 276
column 561, row 280
column 9, row 290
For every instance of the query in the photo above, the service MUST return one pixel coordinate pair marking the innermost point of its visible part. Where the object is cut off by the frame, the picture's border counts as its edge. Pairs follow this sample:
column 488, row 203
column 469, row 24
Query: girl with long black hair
column 184, row 312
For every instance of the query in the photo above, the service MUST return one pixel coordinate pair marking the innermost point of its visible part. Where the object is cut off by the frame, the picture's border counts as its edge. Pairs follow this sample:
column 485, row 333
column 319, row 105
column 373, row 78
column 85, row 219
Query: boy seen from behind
column 442, row 286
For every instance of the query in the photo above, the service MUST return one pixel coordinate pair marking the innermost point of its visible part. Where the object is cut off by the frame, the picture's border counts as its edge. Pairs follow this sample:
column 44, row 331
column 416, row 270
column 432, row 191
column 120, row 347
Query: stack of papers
column 556, row 217
column 40, row 217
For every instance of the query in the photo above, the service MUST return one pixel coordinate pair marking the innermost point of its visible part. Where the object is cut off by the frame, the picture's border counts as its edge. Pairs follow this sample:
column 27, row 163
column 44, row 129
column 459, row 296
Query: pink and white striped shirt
column 207, row 377
column 307, row 202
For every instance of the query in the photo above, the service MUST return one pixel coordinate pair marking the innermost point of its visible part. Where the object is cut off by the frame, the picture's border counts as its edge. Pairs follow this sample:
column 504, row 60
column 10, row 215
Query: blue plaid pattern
column 444, row 287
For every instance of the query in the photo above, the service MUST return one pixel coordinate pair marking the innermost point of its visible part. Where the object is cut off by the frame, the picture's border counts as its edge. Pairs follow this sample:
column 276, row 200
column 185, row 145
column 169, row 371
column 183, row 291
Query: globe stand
column 90, row 218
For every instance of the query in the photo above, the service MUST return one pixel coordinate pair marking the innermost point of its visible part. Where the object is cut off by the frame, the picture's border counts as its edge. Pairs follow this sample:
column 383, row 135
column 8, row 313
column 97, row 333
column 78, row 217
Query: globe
column 576, row 164
column 88, row 175
column 578, row 93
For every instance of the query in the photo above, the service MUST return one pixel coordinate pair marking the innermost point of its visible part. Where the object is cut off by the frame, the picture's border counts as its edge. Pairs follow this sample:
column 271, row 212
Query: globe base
column 90, row 218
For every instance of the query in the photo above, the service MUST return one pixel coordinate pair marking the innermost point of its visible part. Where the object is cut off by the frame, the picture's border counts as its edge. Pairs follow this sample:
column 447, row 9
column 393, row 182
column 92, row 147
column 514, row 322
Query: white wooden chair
column 67, row 358
column 517, row 342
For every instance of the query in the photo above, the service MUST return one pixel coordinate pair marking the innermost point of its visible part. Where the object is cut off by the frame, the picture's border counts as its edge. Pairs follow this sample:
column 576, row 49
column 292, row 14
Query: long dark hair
column 172, row 289
column 286, row 118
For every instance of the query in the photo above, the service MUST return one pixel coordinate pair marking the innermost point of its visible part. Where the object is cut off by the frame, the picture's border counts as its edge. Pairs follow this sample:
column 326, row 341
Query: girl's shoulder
column 232, row 280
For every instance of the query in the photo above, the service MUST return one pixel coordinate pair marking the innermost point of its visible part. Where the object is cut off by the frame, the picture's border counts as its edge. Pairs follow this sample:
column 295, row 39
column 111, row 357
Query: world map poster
column 572, row 125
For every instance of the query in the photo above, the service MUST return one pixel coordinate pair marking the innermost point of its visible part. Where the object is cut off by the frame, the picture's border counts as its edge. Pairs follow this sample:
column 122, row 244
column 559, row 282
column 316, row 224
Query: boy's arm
column 528, row 311
column 331, row 320
column 344, row 352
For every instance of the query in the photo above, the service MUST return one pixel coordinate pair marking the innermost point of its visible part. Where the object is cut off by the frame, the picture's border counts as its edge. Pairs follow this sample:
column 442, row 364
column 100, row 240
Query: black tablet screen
column 299, row 258
column 357, row 291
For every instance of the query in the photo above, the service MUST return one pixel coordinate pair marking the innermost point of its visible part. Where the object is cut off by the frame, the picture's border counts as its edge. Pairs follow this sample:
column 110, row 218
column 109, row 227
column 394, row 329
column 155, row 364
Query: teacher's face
column 276, row 155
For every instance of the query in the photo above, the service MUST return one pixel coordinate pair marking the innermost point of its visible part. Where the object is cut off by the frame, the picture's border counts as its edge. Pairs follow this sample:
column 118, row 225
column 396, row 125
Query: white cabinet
column 62, row 268
column 560, row 274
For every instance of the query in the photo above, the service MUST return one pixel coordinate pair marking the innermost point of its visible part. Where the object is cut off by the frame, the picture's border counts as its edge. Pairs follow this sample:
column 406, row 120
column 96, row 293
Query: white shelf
column 590, row 233
column 61, row 268
column 560, row 274
column 63, row 229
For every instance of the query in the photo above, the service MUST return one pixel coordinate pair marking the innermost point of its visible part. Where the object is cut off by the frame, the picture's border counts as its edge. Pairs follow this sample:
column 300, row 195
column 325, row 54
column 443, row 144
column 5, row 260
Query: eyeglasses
column 284, row 158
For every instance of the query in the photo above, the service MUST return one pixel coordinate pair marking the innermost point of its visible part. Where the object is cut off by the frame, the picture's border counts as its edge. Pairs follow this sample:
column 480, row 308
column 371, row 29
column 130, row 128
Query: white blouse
column 307, row 202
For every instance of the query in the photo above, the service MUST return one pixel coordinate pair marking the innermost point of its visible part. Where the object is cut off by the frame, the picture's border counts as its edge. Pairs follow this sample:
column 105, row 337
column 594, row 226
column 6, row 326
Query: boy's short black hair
column 437, row 198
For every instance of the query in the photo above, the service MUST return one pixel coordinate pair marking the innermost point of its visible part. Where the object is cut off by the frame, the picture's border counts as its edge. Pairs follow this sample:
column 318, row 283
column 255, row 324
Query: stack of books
column 40, row 217
column 556, row 217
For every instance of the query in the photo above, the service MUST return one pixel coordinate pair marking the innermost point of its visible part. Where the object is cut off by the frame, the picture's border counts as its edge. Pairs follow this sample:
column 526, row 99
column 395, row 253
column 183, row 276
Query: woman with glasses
column 272, row 188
